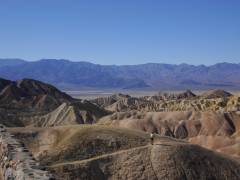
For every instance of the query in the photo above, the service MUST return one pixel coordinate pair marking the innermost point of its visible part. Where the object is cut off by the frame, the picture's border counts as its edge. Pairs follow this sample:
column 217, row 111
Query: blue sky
column 122, row 31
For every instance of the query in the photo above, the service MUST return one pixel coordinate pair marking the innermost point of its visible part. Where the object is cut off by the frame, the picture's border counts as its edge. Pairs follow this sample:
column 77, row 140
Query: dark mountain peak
column 11, row 93
column 34, row 83
column 31, row 93
column 4, row 83
column 35, row 87
column 189, row 93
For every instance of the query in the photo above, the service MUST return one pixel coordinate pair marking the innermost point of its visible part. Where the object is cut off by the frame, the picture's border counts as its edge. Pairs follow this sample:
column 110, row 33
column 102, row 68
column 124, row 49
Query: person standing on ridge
column 151, row 137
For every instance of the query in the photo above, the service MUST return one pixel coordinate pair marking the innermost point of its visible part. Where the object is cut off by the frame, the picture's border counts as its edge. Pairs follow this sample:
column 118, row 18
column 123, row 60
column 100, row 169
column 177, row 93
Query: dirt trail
column 99, row 157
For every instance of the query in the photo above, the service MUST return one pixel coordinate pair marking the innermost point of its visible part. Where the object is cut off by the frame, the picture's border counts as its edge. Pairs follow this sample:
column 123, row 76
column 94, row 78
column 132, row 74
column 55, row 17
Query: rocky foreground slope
column 100, row 152
column 17, row 161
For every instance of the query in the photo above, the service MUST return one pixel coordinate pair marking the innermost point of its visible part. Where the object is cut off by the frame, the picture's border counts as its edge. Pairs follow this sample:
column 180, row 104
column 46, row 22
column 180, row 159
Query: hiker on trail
column 151, row 137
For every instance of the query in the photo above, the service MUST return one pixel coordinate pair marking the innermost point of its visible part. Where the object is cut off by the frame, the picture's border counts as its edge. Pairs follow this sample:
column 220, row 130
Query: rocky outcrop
column 17, row 162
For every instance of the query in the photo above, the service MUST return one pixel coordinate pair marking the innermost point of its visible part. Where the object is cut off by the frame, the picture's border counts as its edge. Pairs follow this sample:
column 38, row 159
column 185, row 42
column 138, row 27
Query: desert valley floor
column 47, row 134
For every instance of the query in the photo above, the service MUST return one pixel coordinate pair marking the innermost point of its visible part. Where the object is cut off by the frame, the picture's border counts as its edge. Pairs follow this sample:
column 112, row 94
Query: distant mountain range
column 66, row 74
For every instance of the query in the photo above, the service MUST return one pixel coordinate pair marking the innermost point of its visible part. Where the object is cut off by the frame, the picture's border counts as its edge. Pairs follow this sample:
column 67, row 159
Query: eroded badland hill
column 194, row 136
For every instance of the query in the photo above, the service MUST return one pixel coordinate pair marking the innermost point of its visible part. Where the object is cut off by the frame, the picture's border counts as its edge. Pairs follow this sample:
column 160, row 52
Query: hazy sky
column 121, row 31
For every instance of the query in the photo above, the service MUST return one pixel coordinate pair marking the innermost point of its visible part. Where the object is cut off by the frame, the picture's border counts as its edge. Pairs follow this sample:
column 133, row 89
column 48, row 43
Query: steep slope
column 99, row 152
column 33, row 88
column 81, row 112
column 33, row 103
column 31, row 94
column 4, row 83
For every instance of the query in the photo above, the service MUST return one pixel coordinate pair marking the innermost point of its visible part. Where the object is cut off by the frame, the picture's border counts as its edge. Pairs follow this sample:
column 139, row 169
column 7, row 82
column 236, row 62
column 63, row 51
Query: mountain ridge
column 88, row 62
column 66, row 74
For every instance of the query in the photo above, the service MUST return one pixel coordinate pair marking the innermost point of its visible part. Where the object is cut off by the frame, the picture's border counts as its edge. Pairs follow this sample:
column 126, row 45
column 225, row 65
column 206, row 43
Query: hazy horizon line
column 86, row 61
